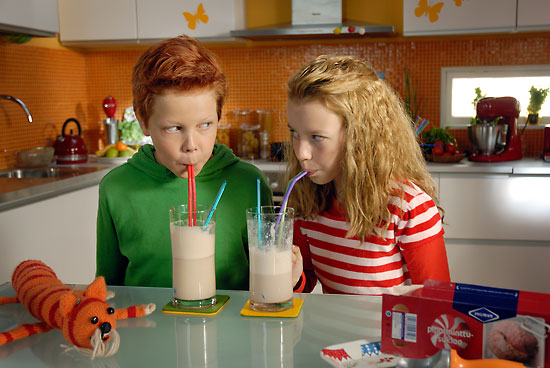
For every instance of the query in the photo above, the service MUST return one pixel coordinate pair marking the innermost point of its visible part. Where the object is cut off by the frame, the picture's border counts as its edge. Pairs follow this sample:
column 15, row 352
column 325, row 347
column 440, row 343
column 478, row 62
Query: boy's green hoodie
column 133, row 229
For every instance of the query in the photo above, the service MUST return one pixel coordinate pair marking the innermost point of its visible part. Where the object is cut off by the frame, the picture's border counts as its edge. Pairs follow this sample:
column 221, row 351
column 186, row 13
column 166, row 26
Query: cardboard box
column 477, row 321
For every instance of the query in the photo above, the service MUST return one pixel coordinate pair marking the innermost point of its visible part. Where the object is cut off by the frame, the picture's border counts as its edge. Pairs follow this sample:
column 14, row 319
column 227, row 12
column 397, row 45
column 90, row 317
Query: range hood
column 315, row 19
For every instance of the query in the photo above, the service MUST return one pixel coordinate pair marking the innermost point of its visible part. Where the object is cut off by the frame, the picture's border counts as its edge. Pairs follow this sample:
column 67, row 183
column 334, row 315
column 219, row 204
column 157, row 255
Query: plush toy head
column 87, row 316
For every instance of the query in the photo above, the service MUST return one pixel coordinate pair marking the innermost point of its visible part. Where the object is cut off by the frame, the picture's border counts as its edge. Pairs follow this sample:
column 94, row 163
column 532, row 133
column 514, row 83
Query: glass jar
column 265, row 153
column 222, row 135
column 246, row 117
column 265, row 119
column 250, row 141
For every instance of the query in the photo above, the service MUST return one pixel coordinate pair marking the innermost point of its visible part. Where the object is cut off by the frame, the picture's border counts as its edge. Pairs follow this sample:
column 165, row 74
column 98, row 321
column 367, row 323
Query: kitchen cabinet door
column 60, row 231
column 206, row 19
column 429, row 17
column 496, row 207
column 533, row 15
column 33, row 17
column 97, row 20
column 509, row 265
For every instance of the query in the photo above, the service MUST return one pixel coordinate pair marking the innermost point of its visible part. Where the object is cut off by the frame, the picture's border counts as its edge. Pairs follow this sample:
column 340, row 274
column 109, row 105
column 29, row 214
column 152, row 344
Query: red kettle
column 70, row 149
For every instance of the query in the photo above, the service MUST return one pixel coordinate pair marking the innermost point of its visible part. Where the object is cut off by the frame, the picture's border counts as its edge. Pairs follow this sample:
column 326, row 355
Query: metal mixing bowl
column 484, row 137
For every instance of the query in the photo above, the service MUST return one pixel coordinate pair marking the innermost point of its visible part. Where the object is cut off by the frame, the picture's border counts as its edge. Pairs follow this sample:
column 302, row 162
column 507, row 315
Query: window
column 458, row 89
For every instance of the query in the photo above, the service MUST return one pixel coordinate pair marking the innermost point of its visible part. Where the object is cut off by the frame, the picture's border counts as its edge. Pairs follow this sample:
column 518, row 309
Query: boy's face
column 183, row 129
column 317, row 139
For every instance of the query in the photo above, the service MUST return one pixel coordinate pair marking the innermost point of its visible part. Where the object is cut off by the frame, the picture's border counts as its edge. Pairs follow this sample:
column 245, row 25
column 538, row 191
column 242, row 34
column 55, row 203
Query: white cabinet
column 97, row 20
column 519, row 266
column 533, row 15
column 33, row 17
column 143, row 21
column 504, row 207
column 497, row 229
column 458, row 16
column 204, row 19
column 60, row 231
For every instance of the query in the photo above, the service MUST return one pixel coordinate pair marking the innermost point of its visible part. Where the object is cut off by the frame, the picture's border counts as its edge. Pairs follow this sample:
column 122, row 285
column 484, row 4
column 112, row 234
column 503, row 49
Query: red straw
column 194, row 197
column 190, row 193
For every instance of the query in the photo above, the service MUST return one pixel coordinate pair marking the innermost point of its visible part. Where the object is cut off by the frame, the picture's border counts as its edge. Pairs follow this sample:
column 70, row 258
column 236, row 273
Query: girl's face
column 318, row 138
column 183, row 129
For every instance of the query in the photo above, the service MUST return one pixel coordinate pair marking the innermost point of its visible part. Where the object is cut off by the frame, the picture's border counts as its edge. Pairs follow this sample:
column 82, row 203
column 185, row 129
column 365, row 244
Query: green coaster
column 221, row 300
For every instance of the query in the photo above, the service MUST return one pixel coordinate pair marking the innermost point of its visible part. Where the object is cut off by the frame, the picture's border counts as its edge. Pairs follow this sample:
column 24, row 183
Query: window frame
column 483, row 71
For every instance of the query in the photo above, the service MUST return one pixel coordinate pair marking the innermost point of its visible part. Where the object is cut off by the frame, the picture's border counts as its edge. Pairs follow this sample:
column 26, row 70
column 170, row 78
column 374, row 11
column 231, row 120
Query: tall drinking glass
column 270, row 252
column 193, row 264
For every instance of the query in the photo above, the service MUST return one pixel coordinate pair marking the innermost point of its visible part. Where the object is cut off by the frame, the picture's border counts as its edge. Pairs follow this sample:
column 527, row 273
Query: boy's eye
column 172, row 129
column 205, row 125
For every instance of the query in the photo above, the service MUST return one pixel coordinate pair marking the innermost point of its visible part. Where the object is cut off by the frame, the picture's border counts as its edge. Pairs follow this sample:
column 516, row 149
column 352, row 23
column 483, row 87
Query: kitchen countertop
column 19, row 192
column 527, row 166
column 226, row 339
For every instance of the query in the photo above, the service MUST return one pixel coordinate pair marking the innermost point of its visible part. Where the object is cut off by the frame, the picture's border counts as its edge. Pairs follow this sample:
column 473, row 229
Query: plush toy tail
column 8, row 300
column 23, row 331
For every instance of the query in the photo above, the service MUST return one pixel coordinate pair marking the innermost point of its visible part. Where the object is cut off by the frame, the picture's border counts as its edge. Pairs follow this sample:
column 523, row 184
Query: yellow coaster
column 292, row 312
column 221, row 301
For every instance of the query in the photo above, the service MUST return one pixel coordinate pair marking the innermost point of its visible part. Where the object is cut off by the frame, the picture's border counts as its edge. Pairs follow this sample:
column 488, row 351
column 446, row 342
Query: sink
column 48, row 172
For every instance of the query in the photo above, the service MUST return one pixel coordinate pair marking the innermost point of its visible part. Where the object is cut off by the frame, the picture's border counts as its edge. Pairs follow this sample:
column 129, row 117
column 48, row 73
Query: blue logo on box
column 484, row 303
column 483, row 315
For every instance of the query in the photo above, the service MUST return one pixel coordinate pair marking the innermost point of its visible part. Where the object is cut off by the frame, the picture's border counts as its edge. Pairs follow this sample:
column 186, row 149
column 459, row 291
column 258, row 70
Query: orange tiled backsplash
column 57, row 84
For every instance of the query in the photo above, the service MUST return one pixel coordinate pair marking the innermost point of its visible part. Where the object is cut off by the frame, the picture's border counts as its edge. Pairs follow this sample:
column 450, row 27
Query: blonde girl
column 367, row 218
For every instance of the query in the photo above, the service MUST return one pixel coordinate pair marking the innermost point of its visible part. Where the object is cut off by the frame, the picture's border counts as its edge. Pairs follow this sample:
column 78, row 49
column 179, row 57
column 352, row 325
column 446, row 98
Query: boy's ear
column 142, row 125
column 97, row 289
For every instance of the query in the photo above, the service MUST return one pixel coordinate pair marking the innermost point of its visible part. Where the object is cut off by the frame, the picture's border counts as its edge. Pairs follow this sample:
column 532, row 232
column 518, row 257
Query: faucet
column 29, row 116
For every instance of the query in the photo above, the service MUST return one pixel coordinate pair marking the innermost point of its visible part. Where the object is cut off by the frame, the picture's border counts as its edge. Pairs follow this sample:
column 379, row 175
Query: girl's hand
column 297, row 264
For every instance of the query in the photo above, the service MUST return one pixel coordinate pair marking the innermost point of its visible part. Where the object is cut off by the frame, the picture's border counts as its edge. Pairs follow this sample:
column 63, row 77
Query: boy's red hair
column 180, row 63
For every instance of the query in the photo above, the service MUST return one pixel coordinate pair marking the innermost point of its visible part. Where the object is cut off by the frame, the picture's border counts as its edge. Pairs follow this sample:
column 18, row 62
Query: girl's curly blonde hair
column 380, row 151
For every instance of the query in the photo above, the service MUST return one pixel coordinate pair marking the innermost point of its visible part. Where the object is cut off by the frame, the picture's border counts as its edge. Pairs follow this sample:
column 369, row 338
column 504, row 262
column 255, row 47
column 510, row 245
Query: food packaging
column 479, row 322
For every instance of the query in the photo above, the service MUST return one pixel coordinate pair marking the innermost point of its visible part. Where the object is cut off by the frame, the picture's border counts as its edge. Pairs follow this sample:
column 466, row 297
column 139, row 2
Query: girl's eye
column 293, row 133
column 172, row 129
column 317, row 137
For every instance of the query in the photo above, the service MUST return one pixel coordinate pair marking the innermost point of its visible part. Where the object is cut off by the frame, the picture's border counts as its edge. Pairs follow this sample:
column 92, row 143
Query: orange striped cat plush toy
column 85, row 319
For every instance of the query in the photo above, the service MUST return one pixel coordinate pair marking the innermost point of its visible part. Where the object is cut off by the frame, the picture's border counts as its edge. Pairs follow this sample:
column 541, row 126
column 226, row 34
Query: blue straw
column 259, row 213
column 421, row 126
column 214, row 205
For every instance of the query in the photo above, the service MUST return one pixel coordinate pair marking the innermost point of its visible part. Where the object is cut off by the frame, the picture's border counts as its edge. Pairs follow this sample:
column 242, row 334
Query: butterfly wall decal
column 193, row 19
column 431, row 11
column 459, row 2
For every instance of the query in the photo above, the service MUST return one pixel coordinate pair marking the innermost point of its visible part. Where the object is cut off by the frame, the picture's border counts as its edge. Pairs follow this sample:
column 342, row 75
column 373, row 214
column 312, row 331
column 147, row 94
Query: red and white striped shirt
column 345, row 266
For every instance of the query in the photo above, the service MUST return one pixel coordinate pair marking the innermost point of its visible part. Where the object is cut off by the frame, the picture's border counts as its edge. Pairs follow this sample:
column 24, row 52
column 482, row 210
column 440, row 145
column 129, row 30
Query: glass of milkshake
column 270, row 253
column 193, row 264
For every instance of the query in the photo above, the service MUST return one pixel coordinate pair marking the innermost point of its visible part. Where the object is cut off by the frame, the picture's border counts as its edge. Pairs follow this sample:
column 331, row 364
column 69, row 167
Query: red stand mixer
column 508, row 141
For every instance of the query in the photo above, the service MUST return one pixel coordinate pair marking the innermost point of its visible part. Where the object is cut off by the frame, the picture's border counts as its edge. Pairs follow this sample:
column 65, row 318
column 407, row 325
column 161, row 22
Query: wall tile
column 59, row 83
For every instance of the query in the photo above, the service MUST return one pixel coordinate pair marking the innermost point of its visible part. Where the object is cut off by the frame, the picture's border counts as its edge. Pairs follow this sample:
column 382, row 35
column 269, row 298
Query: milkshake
column 270, row 275
column 270, row 253
column 193, row 263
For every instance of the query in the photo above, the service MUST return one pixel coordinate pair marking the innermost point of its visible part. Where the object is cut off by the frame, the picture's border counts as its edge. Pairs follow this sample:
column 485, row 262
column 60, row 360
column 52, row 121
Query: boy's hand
column 297, row 264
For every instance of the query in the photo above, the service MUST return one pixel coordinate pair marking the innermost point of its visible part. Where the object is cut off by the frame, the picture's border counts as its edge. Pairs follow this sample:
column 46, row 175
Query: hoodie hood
column 144, row 160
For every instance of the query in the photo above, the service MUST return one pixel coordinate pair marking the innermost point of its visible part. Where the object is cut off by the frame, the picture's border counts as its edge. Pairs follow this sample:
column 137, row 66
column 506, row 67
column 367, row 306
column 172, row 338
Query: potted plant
column 413, row 104
column 535, row 103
